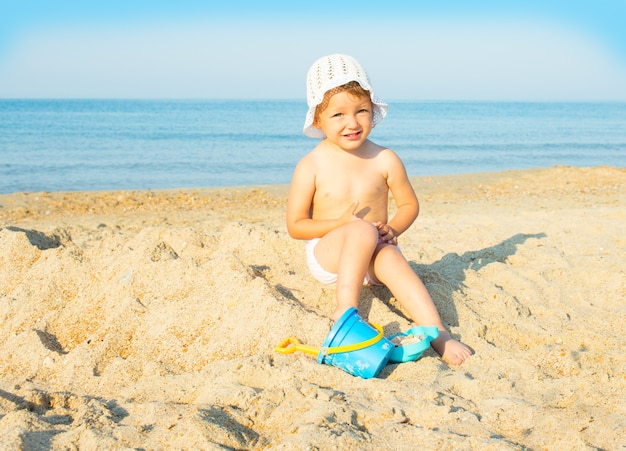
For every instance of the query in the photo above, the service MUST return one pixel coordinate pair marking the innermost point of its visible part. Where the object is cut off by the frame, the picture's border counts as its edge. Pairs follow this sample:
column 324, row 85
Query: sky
column 533, row 50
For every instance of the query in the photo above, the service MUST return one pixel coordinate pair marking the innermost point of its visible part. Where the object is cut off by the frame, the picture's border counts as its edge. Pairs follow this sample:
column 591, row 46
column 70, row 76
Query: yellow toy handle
column 291, row 345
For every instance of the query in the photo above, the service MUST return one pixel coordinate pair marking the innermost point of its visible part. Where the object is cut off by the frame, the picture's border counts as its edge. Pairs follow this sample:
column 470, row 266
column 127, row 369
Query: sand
column 148, row 320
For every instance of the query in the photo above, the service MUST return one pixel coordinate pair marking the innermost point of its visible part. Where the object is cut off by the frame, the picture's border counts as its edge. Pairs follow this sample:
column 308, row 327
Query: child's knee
column 361, row 233
column 390, row 252
column 365, row 231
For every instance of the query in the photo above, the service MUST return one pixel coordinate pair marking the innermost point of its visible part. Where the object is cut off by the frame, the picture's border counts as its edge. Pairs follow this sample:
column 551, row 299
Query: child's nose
column 352, row 121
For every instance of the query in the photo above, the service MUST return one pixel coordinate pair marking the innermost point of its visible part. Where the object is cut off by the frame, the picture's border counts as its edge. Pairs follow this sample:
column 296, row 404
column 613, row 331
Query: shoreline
column 149, row 318
column 505, row 183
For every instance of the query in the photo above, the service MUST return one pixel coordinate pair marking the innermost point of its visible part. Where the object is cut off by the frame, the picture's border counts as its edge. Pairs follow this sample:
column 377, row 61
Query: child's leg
column 391, row 268
column 347, row 252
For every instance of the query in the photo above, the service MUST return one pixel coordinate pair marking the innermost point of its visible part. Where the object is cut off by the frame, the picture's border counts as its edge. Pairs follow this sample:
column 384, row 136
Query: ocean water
column 86, row 145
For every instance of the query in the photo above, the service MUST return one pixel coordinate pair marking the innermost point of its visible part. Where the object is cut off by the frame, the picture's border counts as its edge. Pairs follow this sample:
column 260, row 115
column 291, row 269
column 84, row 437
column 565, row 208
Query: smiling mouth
column 353, row 135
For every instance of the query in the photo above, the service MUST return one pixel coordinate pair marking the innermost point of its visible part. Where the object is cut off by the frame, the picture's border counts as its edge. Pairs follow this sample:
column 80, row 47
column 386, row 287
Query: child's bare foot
column 450, row 350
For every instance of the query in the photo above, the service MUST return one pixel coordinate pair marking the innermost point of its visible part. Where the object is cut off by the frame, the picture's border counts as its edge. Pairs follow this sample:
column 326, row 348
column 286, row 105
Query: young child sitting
column 338, row 199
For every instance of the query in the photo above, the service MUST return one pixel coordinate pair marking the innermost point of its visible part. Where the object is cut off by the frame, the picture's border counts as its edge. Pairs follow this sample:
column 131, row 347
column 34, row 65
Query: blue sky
column 422, row 50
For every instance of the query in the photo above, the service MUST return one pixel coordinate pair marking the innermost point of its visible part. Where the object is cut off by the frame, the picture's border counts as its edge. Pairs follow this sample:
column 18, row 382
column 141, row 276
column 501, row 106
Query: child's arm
column 405, row 198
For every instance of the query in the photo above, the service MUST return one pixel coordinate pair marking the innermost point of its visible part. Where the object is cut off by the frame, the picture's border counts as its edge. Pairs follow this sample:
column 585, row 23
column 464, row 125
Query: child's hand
column 386, row 233
column 350, row 214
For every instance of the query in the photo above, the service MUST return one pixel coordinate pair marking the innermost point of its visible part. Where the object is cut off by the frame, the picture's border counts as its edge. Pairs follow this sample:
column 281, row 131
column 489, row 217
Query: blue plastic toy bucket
column 355, row 346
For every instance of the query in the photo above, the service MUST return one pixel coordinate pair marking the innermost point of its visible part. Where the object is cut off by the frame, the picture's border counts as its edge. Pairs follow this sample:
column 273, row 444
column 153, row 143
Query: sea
column 94, row 145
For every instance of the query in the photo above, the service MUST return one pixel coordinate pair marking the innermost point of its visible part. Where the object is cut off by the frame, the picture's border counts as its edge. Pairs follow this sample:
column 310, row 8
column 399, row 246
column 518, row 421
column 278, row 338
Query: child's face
column 347, row 120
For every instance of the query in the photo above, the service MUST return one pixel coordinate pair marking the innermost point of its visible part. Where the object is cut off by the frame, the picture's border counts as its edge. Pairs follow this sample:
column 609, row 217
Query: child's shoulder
column 318, row 152
column 381, row 151
column 310, row 160
column 312, row 154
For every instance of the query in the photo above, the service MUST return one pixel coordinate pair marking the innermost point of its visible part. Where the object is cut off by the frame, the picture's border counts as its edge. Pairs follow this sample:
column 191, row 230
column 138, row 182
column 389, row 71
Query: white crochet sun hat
column 330, row 72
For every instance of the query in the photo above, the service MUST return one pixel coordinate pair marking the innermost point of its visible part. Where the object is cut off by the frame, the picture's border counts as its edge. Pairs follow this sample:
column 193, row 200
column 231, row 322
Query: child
column 338, row 200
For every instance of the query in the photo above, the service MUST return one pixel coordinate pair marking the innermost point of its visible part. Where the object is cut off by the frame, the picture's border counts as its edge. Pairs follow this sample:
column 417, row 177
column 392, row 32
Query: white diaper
column 320, row 273
column 316, row 269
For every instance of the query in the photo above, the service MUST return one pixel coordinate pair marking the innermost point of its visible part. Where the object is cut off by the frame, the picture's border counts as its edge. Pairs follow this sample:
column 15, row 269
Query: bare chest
column 339, row 185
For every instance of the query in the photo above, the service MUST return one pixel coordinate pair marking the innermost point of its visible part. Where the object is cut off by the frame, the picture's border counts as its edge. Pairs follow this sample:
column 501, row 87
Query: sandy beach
column 148, row 320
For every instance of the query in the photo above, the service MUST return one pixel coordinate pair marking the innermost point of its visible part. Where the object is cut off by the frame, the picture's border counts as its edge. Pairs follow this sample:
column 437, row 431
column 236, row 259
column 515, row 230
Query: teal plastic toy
column 416, row 340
